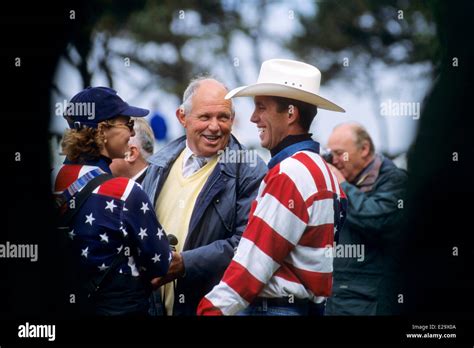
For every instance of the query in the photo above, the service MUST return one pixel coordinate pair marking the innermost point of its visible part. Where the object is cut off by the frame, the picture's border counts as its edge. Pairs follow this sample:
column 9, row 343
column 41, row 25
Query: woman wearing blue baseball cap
column 114, row 245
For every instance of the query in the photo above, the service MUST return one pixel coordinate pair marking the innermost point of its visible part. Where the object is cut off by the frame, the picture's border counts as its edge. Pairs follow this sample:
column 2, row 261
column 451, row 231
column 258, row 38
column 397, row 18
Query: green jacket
column 366, row 257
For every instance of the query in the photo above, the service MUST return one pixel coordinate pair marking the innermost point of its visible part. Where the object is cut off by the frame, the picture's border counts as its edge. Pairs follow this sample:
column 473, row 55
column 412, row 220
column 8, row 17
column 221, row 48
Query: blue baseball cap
column 96, row 104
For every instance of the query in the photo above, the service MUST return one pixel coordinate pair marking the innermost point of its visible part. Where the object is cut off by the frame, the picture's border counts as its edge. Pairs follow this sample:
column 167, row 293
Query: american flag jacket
column 117, row 215
column 287, row 246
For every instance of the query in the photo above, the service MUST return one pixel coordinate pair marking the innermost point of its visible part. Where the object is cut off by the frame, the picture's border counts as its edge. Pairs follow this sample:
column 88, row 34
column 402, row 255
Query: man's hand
column 337, row 173
column 175, row 270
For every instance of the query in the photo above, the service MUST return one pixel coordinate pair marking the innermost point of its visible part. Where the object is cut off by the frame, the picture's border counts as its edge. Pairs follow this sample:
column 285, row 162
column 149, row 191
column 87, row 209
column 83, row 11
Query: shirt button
column 217, row 201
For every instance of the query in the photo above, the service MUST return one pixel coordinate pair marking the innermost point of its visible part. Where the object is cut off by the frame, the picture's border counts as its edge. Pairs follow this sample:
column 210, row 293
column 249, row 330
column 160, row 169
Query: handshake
column 176, row 268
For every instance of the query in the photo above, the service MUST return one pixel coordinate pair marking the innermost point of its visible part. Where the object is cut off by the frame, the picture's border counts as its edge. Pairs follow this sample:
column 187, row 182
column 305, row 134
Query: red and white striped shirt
column 286, row 248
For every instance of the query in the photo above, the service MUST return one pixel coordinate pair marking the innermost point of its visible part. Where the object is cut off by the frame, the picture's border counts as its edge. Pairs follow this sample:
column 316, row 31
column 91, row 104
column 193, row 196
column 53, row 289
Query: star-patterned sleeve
column 140, row 222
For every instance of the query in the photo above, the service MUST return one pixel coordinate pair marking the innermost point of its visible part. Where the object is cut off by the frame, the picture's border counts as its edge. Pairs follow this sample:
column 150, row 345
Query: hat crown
column 96, row 104
column 287, row 79
column 290, row 73
column 103, row 98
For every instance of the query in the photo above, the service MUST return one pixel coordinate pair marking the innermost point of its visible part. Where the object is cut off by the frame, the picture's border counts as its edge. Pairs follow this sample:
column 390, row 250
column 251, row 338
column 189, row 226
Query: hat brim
column 277, row 90
column 134, row 111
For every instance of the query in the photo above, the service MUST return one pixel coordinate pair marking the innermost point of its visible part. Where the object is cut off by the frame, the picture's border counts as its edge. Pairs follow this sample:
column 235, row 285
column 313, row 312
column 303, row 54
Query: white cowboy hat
column 289, row 79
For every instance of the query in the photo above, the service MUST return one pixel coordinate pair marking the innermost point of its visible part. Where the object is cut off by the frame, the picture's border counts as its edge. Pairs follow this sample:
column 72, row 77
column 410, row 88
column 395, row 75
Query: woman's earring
column 105, row 140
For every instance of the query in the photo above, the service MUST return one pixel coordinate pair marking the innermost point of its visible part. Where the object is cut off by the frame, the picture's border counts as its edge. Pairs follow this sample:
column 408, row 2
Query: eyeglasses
column 130, row 124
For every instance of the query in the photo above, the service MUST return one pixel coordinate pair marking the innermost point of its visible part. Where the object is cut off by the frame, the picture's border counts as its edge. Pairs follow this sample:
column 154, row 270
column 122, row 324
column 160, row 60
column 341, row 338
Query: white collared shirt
column 192, row 162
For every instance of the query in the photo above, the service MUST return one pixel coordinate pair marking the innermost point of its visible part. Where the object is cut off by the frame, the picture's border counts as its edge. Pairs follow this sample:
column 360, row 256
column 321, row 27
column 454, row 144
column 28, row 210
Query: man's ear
column 132, row 154
column 181, row 116
column 365, row 149
column 293, row 115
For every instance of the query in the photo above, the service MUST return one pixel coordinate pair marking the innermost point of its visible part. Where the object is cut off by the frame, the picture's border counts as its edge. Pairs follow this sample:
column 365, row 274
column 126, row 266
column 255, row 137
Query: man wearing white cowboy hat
column 283, row 264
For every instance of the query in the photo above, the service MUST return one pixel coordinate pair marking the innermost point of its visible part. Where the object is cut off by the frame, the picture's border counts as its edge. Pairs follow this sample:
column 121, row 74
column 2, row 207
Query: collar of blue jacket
column 306, row 145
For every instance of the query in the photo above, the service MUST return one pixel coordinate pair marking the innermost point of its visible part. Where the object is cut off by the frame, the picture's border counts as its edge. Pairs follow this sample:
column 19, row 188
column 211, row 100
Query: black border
column 29, row 293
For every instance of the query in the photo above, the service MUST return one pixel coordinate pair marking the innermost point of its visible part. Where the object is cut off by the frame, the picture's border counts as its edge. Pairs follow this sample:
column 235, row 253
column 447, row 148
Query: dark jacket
column 367, row 285
column 217, row 222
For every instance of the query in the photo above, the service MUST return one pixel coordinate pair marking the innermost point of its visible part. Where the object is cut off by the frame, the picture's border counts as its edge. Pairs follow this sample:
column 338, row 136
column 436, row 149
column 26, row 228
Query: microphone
column 173, row 240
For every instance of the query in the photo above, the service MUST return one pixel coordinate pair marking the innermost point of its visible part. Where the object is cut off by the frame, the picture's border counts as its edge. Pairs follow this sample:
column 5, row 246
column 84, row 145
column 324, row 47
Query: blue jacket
column 217, row 221
column 116, row 218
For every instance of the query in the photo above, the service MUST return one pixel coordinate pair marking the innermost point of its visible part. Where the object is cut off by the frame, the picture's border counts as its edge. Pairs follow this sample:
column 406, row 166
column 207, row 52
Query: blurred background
column 148, row 50
column 372, row 54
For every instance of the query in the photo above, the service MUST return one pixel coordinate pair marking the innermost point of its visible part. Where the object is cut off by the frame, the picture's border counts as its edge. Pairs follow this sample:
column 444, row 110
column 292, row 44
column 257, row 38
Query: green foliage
column 395, row 32
column 363, row 31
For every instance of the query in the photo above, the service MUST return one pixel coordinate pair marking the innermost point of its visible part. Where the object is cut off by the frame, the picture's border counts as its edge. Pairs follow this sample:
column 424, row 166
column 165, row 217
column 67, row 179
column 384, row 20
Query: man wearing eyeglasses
column 367, row 284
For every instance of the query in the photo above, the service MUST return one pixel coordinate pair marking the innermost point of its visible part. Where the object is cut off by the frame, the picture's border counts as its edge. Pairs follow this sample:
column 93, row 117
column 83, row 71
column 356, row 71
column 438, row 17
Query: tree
column 187, row 38
column 362, row 33
column 162, row 23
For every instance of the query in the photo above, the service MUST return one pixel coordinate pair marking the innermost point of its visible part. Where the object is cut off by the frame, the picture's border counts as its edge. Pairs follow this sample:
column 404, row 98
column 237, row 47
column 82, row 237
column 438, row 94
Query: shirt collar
column 102, row 162
column 136, row 176
column 188, row 153
column 289, row 140
column 369, row 174
column 290, row 150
